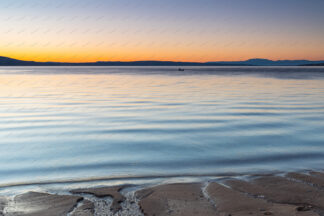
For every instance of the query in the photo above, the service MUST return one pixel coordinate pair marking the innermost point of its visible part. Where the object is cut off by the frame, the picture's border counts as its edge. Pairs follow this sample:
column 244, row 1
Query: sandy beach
column 299, row 194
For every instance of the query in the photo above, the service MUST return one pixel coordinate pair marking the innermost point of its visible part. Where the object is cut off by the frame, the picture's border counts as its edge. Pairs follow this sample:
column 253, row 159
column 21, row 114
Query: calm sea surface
column 63, row 123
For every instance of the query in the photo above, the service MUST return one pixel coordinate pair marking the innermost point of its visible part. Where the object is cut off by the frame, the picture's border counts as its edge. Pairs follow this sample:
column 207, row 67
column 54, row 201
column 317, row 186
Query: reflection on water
column 81, row 122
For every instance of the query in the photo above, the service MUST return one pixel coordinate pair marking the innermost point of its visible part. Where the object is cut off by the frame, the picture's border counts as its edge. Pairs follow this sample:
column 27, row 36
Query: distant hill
column 5, row 61
column 267, row 62
column 320, row 64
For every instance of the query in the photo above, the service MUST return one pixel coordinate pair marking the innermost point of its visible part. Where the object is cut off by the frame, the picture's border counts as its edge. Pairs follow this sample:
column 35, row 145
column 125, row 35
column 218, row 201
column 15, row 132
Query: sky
column 175, row 30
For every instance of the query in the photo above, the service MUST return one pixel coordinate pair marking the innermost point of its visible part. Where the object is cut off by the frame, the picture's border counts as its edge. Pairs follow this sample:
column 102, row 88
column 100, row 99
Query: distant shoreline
column 75, row 65
column 5, row 61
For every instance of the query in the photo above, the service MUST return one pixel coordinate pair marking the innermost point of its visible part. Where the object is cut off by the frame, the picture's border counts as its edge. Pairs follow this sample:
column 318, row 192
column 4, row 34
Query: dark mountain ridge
column 267, row 62
column 5, row 61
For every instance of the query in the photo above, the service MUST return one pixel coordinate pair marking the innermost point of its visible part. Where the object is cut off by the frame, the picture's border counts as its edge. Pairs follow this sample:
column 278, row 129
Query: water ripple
column 79, row 122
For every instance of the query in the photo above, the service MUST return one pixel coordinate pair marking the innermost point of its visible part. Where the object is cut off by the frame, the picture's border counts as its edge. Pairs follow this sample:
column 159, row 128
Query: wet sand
column 296, row 194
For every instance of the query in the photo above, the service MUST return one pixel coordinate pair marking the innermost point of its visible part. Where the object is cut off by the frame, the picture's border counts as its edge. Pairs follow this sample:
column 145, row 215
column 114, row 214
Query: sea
column 83, row 124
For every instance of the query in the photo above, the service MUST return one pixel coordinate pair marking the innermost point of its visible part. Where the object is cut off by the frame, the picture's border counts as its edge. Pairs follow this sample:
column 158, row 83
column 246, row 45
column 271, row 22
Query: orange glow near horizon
column 160, row 54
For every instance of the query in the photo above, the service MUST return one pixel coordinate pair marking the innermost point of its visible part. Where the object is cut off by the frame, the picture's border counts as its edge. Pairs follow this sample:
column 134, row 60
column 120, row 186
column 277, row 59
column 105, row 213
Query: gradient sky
column 177, row 30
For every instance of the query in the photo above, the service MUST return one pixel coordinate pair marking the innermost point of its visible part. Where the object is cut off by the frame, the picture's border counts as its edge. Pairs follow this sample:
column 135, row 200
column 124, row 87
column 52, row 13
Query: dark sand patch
column 281, row 190
column 113, row 192
column 41, row 204
column 175, row 199
column 86, row 209
column 317, row 181
column 234, row 203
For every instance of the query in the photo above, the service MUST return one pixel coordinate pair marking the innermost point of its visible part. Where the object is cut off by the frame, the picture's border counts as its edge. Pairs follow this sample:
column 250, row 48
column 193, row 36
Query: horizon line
column 213, row 61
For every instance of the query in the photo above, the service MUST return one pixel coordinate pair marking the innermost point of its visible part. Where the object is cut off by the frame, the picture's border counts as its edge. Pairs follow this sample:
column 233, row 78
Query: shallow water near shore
column 70, row 123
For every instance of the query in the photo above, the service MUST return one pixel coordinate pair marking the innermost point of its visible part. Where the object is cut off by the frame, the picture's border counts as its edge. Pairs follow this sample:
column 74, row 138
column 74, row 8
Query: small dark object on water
column 180, row 69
